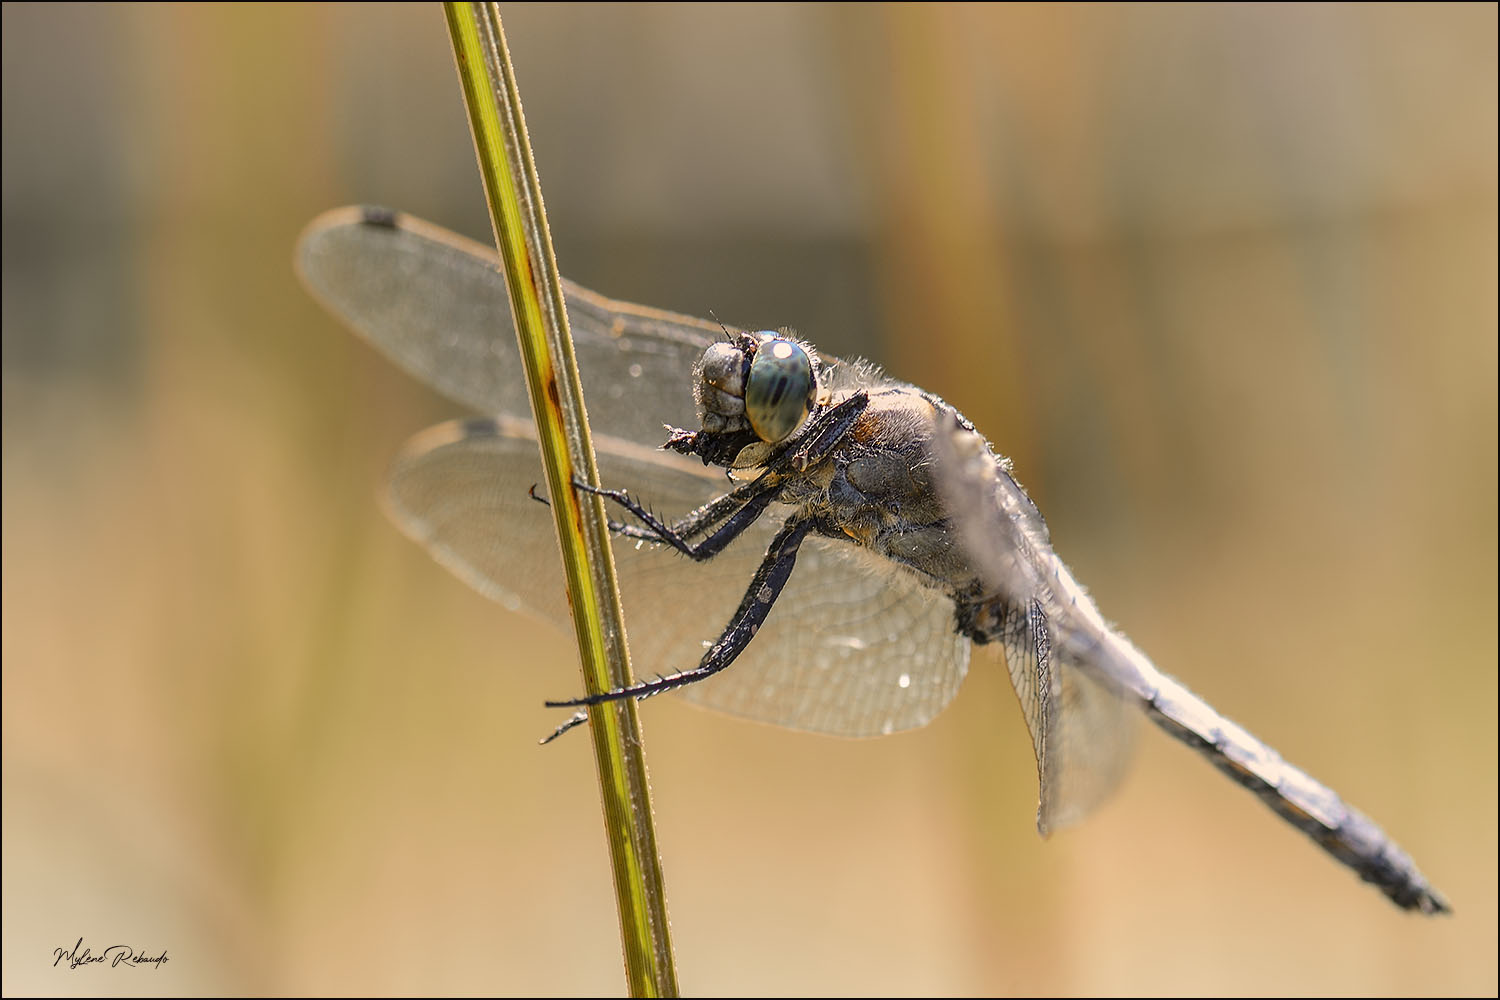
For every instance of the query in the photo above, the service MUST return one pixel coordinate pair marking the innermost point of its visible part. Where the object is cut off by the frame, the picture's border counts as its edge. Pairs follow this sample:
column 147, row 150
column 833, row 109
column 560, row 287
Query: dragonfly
column 855, row 536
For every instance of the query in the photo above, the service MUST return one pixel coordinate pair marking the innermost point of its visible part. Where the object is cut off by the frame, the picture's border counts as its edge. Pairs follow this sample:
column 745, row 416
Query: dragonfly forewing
column 435, row 304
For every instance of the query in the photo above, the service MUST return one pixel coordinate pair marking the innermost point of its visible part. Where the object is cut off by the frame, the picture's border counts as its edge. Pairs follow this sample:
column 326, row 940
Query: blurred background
column 1221, row 279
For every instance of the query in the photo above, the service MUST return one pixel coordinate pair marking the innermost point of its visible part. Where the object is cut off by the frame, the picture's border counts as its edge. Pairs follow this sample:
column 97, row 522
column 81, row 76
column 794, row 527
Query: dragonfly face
column 872, row 540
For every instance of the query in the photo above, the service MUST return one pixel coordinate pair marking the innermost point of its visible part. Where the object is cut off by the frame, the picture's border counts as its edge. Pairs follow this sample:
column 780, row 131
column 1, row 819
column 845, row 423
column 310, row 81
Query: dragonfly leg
column 578, row 718
column 768, row 488
column 826, row 432
column 766, row 586
column 703, row 519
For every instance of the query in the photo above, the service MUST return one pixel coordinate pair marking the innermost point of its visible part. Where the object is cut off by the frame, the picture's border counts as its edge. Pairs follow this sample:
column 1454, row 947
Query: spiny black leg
column 827, row 431
column 696, row 522
column 769, row 580
column 712, row 514
column 579, row 718
column 734, row 526
column 615, row 527
column 751, row 499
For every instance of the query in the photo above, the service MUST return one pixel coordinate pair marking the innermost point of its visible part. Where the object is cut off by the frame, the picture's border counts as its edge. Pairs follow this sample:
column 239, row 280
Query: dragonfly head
column 757, row 388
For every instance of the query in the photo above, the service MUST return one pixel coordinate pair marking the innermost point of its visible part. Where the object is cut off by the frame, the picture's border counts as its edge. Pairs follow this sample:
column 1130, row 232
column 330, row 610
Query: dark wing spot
column 379, row 215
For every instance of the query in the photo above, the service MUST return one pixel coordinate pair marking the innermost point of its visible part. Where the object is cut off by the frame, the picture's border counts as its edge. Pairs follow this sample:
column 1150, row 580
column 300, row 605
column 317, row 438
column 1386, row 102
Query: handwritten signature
column 114, row 955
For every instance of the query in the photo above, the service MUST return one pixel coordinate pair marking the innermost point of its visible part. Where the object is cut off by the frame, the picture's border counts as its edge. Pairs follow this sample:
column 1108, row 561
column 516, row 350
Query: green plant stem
column 525, row 245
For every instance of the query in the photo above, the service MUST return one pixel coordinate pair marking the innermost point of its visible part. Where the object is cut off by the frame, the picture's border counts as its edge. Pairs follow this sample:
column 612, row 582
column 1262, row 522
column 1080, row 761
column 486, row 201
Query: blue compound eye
column 779, row 392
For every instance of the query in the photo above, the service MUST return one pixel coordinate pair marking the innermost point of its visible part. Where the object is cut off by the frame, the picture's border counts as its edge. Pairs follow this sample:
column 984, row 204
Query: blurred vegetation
column 1220, row 278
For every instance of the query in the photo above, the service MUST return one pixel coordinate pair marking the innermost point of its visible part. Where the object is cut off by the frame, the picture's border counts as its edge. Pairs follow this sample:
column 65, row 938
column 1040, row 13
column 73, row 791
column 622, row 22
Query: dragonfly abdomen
column 1293, row 794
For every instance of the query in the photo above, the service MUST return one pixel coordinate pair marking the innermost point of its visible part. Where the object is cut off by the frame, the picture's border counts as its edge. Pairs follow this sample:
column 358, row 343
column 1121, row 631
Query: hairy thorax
column 876, row 489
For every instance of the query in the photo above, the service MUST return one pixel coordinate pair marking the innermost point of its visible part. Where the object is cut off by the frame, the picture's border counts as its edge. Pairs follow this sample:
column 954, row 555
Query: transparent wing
column 847, row 650
column 1083, row 732
column 435, row 304
column 1082, row 726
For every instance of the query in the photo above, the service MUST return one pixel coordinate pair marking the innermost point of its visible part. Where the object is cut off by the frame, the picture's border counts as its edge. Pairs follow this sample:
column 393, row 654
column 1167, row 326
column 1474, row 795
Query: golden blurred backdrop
column 1220, row 278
